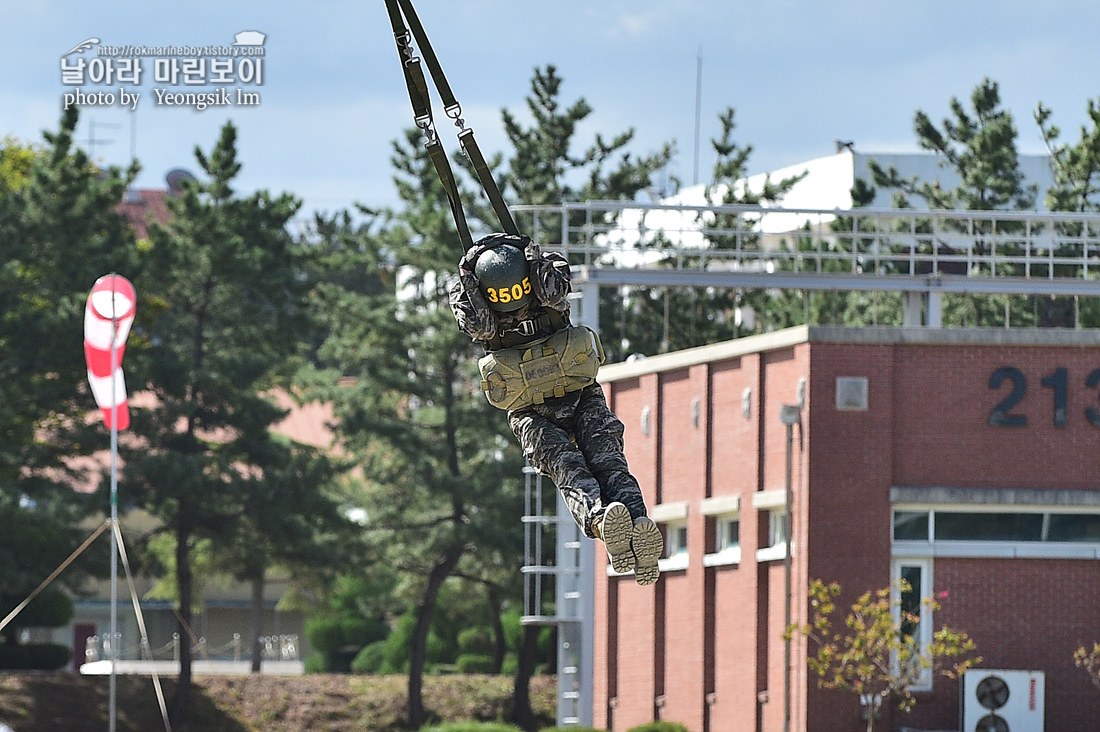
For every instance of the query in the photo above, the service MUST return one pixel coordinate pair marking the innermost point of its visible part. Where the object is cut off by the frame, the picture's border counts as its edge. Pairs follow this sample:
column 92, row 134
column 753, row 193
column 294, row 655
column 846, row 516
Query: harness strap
column 418, row 95
column 547, row 322
column 417, row 85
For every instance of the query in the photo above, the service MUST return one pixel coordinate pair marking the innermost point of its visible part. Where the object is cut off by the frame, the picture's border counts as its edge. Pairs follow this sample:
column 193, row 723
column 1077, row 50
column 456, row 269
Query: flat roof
column 878, row 335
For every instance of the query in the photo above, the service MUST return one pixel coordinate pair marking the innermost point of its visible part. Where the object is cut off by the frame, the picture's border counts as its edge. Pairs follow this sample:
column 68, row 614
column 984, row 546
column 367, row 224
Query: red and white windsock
column 107, row 320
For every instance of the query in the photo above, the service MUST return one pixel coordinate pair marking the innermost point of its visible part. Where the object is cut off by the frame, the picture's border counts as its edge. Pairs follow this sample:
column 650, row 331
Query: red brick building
column 964, row 460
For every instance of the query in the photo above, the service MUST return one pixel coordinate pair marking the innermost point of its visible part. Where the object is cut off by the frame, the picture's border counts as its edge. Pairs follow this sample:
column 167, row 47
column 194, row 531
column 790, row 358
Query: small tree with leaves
column 874, row 651
column 1089, row 661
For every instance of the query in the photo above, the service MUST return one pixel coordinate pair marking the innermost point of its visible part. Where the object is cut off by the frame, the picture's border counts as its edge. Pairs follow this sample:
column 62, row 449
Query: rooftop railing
column 1009, row 251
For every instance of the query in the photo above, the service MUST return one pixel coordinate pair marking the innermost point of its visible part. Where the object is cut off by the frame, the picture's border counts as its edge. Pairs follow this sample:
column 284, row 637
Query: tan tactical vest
column 566, row 361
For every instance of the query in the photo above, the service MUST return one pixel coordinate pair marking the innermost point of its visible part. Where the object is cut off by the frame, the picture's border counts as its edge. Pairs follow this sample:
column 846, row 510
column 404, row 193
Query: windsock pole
column 113, row 710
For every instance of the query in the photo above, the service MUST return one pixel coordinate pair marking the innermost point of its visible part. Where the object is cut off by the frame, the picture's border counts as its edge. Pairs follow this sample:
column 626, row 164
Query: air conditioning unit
column 1002, row 701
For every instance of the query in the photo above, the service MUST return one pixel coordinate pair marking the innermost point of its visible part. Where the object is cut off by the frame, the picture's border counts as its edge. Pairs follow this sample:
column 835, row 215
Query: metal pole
column 789, row 415
column 787, row 588
column 112, row 713
column 698, row 109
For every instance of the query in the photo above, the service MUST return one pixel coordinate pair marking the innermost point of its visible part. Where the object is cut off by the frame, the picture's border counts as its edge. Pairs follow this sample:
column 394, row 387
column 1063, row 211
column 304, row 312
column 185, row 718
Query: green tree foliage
column 225, row 299
column 52, row 608
column 659, row 726
column 978, row 147
column 1076, row 188
column 16, row 160
column 58, row 233
column 355, row 617
column 441, row 474
column 1076, row 166
column 656, row 320
column 872, row 651
column 545, row 169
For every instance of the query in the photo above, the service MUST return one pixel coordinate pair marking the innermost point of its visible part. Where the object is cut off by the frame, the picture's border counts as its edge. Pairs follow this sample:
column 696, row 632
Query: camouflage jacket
column 548, row 311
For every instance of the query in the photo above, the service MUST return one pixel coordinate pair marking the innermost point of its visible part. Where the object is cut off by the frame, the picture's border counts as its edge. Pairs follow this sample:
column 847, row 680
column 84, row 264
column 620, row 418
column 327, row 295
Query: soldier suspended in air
column 512, row 299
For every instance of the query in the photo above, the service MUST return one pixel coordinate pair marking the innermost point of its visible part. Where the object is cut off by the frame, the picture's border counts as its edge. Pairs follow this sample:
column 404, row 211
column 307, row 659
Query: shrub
column 325, row 634
column 370, row 659
column 475, row 640
column 571, row 729
column 340, row 638
column 314, row 663
column 472, row 727
column 659, row 726
column 397, row 646
column 474, row 663
column 34, row 656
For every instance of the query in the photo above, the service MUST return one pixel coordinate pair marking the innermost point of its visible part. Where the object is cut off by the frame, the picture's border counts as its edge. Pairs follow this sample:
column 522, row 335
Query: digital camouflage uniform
column 575, row 439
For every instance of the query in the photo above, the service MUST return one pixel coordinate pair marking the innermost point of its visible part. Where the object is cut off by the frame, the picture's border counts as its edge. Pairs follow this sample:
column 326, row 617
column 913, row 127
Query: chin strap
column 400, row 12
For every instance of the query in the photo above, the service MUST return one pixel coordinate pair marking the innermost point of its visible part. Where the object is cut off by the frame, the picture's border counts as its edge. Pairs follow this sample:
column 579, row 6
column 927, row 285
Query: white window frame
column 673, row 518
column 775, row 504
column 676, row 549
column 931, row 547
column 724, row 510
column 924, row 627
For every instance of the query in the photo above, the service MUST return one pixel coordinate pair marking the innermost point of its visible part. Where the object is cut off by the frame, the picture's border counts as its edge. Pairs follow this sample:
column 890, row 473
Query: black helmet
column 504, row 278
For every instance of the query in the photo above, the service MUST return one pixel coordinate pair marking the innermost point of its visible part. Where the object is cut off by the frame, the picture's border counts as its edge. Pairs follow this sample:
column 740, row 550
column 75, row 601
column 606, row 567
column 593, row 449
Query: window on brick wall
column 776, row 546
column 911, row 607
column 777, row 528
column 1000, row 531
column 725, row 514
column 673, row 520
column 676, row 547
column 773, row 504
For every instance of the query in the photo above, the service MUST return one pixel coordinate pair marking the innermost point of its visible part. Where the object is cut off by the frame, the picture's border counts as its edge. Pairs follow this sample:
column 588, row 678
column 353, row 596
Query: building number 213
column 1057, row 381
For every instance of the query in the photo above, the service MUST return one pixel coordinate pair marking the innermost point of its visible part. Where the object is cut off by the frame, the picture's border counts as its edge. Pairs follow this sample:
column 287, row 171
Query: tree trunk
column 182, row 698
column 425, row 609
column 257, row 621
column 522, row 714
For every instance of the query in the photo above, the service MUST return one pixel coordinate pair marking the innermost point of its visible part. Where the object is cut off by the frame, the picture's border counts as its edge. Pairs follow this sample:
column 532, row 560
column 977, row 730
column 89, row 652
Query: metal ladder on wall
column 567, row 582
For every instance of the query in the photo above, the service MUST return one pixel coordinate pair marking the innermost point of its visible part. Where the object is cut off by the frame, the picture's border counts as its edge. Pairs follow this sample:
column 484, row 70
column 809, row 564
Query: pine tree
column 656, row 320
column 59, row 232
column 224, row 297
column 1076, row 188
column 544, row 169
column 441, row 473
column 979, row 146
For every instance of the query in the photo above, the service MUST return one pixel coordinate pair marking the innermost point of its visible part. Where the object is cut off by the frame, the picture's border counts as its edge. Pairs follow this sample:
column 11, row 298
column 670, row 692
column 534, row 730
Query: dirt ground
column 60, row 702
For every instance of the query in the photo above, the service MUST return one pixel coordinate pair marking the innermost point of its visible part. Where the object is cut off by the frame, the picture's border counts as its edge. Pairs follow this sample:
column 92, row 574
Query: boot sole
column 648, row 546
column 618, row 530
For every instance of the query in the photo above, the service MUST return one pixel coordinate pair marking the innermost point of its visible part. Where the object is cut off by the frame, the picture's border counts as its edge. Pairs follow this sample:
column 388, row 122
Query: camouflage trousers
column 577, row 442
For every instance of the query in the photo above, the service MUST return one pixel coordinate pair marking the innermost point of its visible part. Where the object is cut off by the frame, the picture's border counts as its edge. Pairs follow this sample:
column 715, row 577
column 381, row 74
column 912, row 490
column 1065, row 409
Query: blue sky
column 800, row 73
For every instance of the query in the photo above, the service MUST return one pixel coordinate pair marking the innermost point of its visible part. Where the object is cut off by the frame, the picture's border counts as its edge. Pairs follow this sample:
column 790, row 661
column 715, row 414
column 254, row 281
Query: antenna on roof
column 91, row 141
column 698, row 107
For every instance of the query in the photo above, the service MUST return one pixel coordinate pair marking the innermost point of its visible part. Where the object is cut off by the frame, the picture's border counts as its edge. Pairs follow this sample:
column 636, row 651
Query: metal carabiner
column 455, row 113
column 425, row 124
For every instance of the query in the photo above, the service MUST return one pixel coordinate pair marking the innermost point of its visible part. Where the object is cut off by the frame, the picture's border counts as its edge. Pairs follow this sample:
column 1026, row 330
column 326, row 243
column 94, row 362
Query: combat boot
column 616, row 529
column 647, row 546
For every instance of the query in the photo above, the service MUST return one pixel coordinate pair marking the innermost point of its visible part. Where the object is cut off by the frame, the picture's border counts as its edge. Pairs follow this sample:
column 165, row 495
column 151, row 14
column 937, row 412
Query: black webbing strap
column 469, row 144
column 401, row 11
column 546, row 322
column 422, row 115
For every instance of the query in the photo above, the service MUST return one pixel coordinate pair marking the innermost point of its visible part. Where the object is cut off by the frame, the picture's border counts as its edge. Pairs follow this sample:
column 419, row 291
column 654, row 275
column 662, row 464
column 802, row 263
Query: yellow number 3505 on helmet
column 504, row 278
